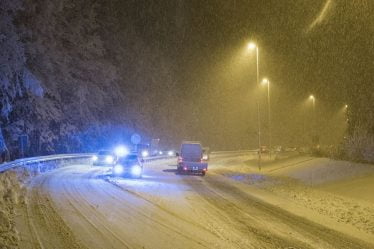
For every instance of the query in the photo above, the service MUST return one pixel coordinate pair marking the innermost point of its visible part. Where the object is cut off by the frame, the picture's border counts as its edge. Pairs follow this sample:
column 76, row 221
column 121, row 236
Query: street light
column 266, row 81
column 314, row 102
column 314, row 116
column 252, row 46
column 346, row 112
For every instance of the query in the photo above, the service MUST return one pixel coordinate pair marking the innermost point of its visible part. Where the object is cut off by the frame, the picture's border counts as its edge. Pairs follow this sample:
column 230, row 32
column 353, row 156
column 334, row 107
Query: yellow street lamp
column 252, row 46
column 266, row 81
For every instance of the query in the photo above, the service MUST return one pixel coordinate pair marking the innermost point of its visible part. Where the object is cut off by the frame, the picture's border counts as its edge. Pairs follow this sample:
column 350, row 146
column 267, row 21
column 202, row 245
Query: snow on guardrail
column 60, row 157
column 233, row 152
column 41, row 159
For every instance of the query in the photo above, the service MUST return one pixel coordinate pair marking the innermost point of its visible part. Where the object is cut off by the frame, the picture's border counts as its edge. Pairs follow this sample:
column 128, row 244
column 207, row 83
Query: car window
column 128, row 158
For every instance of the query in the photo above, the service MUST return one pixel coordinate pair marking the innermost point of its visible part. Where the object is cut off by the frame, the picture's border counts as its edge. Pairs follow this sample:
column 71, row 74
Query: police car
column 130, row 165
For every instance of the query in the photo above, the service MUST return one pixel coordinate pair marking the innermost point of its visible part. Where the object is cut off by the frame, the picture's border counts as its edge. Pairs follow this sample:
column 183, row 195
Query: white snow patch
column 32, row 84
column 12, row 193
column 307, row 182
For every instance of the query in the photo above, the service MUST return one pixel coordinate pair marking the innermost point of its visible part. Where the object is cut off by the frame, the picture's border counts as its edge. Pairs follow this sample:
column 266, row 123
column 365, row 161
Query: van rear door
column 191, row 152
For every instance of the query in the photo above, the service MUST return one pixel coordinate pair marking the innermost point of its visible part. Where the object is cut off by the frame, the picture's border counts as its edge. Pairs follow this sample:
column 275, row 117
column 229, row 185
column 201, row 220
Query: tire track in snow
column 247, row 205
column 46, row 227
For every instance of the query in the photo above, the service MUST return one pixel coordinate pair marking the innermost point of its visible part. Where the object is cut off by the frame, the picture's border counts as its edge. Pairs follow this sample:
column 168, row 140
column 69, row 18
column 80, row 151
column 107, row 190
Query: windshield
column 129, row 158
column 104, row 153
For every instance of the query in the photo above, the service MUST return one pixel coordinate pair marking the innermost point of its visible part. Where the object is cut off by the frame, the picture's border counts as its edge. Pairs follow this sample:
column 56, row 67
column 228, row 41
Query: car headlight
column 109, row 159
column 145, row 153
column 118, row 169
column 136, row 170
column 170, row 153
column 94, row 158
column 121, row 151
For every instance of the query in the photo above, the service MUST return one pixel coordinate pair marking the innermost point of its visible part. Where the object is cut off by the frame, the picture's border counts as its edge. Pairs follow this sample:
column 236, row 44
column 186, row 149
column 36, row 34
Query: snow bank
column 303, row 180
column 12, row 193
column 318, row 171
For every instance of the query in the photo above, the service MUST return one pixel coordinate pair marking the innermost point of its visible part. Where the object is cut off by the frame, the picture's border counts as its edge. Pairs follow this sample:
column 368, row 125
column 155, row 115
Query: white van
column 190, row 159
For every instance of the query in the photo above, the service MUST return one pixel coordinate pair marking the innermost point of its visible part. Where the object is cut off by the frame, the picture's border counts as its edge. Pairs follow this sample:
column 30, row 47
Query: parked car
column 190, row 159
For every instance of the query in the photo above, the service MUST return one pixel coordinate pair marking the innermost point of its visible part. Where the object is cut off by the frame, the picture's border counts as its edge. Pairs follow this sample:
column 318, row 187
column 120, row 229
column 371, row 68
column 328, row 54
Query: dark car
column 130, row 165
column 104, row 158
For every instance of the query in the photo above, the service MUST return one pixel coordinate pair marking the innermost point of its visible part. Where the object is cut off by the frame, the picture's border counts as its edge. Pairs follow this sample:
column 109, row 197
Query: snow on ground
column 316, row 171
column 339, row 190
column 11, row 194
column 234, row 206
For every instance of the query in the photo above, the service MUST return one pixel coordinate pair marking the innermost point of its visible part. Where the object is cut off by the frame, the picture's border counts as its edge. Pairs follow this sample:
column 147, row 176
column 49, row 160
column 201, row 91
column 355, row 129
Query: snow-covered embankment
column 13, row 190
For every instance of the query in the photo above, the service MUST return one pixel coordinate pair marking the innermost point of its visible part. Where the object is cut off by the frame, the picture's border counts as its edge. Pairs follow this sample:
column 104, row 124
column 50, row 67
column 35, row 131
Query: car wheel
column 203, row 173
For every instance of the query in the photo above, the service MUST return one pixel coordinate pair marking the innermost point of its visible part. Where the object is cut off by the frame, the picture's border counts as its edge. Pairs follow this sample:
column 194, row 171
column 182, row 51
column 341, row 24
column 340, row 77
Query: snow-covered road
column 83, row 207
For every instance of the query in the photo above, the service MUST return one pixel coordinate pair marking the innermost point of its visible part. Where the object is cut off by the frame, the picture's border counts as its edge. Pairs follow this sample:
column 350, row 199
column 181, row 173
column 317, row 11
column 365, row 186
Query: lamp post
column 314, row 104
column 252, row 46
column 267, row 82
column 346, row 112
column 311, row 97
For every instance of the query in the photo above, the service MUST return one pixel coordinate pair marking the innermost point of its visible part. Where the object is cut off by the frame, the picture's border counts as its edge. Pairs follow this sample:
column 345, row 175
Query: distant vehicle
column 278, row 148
column 206, row 153
column 289, row 149
column 264, row 149
column 130, row 165
column 154, row 147
column 190, row 159
column 104, row 158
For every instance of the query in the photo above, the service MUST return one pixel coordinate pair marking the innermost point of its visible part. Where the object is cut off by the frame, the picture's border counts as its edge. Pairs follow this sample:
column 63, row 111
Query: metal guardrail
column 32, row 160
column 42, row 159
column 233, row 152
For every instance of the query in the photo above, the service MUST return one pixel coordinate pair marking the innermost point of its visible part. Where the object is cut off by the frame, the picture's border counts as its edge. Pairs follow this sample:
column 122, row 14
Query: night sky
column 323, row 48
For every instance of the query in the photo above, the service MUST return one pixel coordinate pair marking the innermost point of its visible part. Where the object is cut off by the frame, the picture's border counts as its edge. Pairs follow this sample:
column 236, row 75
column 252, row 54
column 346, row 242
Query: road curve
column 84, row 207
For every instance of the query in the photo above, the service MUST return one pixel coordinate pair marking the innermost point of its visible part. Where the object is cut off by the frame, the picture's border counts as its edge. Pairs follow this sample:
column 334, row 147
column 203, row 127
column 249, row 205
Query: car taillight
column 180, row 159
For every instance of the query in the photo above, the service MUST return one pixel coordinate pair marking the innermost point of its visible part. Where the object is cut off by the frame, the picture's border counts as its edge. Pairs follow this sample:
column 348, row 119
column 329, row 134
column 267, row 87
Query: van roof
column 191, row 142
